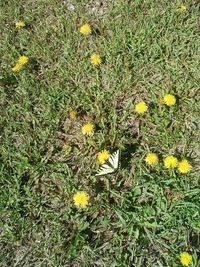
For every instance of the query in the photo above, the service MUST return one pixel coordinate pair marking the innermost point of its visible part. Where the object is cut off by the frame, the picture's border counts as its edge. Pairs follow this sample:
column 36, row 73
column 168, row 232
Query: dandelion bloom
column 141, row 107
column 81, row 199
column 19, row 24
column 72, row 114
column 151, row 159
column 88, row 129
column 185, row 258
column 184, row 166
column 95, row 59
column 23, row 60
column 85, row 29
column 17, row 67
column 169, row 100
column 170, row 162
column 182, row 8
column 103, row 156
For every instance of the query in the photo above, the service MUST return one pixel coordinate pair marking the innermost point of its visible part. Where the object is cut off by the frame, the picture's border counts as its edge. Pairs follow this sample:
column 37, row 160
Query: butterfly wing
column 112, row 166
column 105, row 169
column 114, row 160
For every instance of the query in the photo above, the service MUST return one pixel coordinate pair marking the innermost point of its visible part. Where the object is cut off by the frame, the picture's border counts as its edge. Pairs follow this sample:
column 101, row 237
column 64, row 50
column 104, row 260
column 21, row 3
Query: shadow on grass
column 126, row 156
column 8, row 80
column 99, row 186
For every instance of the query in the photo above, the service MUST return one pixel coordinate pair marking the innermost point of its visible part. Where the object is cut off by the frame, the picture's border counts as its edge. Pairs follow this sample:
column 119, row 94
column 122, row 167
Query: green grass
column 139, row 216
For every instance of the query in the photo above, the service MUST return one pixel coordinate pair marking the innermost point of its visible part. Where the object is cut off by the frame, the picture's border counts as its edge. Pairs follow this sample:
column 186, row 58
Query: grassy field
column 139, row 216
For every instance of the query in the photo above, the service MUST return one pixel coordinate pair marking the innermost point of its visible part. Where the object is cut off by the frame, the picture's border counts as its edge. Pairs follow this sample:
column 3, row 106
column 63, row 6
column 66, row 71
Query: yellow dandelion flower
column 95, row 59
column 103, row 156
column 170, row 162
column 88, row 129
column 20, row 24
column 184, row 166
column 169, row 100
column 85, row 29
column 151, row 159
column 17, row 67
column 81, row 199
column 23, row 60
column 73, row 114
column 182, row 8
column 185, row 258
column 141, row 107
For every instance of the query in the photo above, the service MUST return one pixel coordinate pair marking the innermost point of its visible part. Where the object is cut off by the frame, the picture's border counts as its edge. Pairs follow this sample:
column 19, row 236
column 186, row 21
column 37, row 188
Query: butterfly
column 111, row 166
